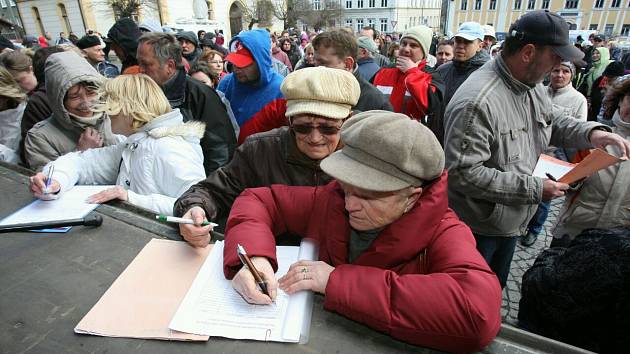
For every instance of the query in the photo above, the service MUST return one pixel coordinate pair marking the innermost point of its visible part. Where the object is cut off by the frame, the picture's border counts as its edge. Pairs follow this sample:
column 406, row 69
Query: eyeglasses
column 305, row 129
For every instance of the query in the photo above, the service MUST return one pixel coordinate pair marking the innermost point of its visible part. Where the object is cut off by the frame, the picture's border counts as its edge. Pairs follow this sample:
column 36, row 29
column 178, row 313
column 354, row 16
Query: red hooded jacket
column 421, row 281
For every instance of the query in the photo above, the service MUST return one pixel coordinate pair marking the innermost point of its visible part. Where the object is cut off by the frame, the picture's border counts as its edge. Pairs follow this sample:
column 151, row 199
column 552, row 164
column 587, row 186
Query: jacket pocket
column 512, row 146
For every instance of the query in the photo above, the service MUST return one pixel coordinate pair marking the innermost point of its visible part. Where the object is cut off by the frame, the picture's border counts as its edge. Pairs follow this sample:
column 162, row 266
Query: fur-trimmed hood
column 172, row 124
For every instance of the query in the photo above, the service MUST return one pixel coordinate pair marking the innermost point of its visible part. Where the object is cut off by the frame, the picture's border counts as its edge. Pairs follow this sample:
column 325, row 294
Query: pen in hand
column 49, row 179
column 551, row 177
column 242, row 255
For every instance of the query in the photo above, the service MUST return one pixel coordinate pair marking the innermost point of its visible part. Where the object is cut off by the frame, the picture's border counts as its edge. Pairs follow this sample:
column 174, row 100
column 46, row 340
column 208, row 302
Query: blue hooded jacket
column 247, row 99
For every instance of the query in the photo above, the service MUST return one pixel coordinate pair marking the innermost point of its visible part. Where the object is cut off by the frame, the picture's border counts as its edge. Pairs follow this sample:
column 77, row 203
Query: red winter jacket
column 448, row 300
column 271, row 116
column 418, row 93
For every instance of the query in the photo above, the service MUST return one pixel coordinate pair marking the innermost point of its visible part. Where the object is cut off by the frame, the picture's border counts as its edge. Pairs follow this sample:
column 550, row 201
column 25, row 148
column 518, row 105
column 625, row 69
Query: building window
column 517, row 4
column 531, row 4
column 571, row 4
column 38, row 19
column 348, row 4
column 615, row 3
column 493, row 5
column 371, row 3
column 592, row 27
column 349, row 22
column 545, row 4
column 371, row 22
column 464, row 5
column 383, row 3
column 317, row 5
column 477, row 4
column 4, row 3
column 64, row 17
column 359, row 4
column 625, row 30
column 359, row 24
column 383, row 25
column 609, row 29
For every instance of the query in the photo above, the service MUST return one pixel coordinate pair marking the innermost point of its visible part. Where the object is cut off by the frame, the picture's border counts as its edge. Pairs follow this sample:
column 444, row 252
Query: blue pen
column 49, row 179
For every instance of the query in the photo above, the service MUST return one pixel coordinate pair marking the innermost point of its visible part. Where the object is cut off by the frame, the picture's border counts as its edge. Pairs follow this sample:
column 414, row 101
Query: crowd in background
column 187, row 123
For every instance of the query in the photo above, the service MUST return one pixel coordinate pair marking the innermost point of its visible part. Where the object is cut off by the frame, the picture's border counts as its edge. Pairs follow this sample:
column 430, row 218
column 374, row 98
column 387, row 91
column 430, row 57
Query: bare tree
column 129, row 8
column 318, row 14
column 285, row 11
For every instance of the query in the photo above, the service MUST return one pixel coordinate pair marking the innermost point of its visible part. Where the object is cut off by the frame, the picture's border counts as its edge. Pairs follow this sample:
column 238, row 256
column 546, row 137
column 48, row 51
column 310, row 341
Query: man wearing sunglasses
column 318, row 100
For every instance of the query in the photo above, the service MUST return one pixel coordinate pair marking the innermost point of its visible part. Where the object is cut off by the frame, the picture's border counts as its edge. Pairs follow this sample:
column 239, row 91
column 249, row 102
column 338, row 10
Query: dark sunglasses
column 306, row 129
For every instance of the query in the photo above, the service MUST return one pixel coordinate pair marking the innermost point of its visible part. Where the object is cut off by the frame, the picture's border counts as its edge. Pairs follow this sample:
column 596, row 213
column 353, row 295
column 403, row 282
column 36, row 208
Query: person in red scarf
column 414, row 88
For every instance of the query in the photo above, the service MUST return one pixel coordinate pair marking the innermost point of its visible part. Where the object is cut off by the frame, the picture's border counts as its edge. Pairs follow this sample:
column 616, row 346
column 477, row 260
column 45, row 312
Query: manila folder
column 144, row 298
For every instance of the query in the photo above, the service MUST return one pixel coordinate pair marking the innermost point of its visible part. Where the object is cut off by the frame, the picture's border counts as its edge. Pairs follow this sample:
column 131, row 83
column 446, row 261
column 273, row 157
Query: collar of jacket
column 554, row 92
column 294, row 156
column 477, row 60
column 175, row 89
column 515, row 86
column 365, row 60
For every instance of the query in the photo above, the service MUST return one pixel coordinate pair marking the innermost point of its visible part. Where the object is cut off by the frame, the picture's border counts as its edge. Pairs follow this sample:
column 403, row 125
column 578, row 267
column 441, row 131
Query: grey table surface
column 48, row 282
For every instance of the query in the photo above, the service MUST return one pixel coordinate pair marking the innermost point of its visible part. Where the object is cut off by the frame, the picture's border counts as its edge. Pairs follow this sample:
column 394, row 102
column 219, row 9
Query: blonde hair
column 135, row 96
column 9, row 88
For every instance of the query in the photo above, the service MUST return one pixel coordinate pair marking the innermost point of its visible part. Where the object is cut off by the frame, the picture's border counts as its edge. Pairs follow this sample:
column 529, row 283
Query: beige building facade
column 605, row 16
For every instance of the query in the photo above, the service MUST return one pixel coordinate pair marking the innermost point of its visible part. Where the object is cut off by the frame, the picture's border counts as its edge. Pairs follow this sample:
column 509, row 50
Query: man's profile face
column 150, row 65
column 545, row 59
column 326, row 56
column 187, row 46
column 248, row 74
column 95, row 53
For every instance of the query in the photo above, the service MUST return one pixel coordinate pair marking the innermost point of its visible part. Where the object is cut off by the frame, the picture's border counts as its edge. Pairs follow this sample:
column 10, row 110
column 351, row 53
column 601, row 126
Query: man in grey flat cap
column 392, row 254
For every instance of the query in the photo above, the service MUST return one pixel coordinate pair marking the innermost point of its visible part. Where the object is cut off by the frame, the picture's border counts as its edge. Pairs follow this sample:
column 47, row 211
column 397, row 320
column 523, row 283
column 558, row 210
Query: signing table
column 48, row 282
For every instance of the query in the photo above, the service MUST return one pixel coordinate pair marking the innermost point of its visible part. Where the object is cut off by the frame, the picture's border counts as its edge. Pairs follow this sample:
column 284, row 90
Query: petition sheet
column 70, row 205
column 212, row 307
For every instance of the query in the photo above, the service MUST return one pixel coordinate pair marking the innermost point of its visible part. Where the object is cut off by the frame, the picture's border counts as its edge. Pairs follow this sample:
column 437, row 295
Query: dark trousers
column 538, row 220
column 498, row 252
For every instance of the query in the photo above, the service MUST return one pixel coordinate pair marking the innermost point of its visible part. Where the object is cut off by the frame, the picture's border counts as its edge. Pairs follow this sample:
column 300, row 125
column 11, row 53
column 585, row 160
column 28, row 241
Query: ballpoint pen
column 182, row 220
column 242, row 255
column 49, row 179
column 551, row 177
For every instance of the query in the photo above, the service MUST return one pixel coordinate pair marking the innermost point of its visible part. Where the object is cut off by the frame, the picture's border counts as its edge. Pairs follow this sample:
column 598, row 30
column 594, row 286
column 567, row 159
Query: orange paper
column 144, row 298
column 598, row 159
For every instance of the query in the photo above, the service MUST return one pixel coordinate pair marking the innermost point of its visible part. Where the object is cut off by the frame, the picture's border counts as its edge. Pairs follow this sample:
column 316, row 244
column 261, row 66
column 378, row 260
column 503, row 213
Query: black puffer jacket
column 580, row 294
column 454, row 73
column 283, row 164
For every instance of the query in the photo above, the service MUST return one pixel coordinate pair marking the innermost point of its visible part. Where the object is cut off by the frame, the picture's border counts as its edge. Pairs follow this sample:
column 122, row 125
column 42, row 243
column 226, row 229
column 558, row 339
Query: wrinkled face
column 79, row 100
column 310, row 56
column 545, row 59
column 560, row 76
column 624, row 108
column 26, row 80
column 150, row 65
column 326, row 57
column 465, row 49
column 488, row 41
column 369, row 210
column 411, row 49
column 216, row 64
column 315, row 144
column 203, row 78
column 248, row 74
column 95, row 54
column 187, row 46
column 444, row 54
column 596, row 55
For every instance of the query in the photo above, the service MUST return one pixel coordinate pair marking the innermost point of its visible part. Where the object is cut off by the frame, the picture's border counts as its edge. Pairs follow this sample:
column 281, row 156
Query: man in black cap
column 599, row 40
column 190, row 46
column 123, row 39
column 91, row 47
column 498, row 123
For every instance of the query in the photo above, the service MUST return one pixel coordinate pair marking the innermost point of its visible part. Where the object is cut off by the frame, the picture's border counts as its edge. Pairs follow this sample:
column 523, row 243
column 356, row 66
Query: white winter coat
column 156, row 165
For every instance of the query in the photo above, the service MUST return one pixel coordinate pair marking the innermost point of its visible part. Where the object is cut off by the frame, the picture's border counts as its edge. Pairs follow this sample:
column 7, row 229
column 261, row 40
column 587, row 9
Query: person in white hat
column 318, row 100
column 489, row 37
column 413, row 88
column 392, row 254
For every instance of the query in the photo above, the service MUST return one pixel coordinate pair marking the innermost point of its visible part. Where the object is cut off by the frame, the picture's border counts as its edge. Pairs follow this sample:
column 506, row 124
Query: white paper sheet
column 212, row 307
column 70, row 205
column 555, row 167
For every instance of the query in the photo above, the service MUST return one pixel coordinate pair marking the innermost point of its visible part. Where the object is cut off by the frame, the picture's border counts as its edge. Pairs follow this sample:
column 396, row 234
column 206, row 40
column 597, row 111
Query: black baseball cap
column 599, row 38
column 546, row 28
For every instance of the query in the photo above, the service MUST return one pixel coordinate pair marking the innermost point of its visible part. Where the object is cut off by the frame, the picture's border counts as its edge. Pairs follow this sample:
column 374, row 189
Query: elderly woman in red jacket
column 392, row 254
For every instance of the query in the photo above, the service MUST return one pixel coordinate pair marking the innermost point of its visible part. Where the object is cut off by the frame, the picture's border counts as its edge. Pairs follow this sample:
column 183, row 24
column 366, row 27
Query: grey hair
column 165, row 46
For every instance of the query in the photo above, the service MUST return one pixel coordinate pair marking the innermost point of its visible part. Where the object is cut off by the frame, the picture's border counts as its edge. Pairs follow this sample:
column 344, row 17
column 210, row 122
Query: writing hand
column 37, row 185
column 196, row 235
column 245, row 285
column 552, row 189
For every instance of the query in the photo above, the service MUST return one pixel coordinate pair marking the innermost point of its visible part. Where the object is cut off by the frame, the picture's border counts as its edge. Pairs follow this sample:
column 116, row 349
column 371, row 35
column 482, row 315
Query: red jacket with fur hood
column 421, row 281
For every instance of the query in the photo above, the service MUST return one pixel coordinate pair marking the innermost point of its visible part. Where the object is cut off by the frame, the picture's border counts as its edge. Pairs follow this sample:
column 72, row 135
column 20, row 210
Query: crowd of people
column 409, row 157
